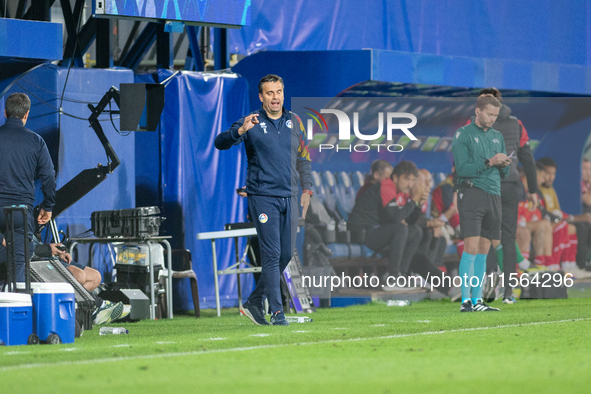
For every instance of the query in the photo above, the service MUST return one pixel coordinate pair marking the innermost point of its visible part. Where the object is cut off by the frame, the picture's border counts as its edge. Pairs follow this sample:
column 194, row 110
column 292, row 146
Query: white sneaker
column 579, row 273
column 524, row 265
column 108, row 312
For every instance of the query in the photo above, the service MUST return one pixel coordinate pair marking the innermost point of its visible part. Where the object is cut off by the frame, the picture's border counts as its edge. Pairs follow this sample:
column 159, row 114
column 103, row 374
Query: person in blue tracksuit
column 23, row 159
column 278, row 159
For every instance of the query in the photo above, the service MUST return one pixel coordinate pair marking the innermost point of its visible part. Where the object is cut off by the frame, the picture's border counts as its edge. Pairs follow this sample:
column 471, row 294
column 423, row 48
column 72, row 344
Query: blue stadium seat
column 451, row 249
column 357, row 180
column 345, row 194
column 330, row 199
column 339, row 250
column 318, row 187
column 438, row 177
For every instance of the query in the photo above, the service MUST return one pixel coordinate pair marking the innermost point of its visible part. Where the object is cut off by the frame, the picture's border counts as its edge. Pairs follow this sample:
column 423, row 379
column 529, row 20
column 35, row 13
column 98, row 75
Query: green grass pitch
column 538, row 346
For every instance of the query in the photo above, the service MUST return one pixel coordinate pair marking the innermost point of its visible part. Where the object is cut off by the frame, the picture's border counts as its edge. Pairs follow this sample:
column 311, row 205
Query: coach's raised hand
column 249, row 123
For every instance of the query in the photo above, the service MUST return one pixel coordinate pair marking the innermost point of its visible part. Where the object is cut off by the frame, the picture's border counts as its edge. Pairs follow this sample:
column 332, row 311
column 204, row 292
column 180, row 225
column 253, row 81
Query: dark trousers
column 584, row 242
column 509, row 205
column 398, row 242
column 19, row 239
column 276, row 221
column 422, row 265
column 433, row 247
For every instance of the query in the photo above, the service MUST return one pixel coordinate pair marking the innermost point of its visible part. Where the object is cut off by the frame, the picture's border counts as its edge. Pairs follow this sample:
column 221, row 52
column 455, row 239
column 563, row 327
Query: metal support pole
column 164, row 48
column 104, row 58
column 169, row 279
column 215, row 278
column 238, row 273
column 220, row 49
column 194, row 62
column 151, row 274
column 39, row 10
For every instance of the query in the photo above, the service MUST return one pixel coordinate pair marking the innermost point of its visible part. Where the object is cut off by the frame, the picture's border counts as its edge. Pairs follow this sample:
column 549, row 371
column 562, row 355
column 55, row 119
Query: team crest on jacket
column 476, row 139
column 496, row 141
column 263, row 218
column 289, row 124
column 264, row 127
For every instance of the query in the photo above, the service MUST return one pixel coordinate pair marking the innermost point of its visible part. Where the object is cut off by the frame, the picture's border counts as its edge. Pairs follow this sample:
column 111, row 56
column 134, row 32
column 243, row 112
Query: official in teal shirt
column 481, row 162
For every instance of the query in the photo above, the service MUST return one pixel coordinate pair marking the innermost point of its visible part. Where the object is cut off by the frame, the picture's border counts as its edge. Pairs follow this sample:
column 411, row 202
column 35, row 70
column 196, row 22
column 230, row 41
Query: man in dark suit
column 23, row 159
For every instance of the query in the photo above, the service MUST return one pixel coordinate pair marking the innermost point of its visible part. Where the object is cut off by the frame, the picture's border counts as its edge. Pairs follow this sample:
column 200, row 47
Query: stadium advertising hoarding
column 233, row 13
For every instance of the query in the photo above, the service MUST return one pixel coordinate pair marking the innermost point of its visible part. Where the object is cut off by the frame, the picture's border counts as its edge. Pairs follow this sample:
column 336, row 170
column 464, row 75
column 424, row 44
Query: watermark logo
column 387, row 121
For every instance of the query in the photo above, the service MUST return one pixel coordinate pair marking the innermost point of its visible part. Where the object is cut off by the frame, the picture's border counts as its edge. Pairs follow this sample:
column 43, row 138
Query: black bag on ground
column 547, row 286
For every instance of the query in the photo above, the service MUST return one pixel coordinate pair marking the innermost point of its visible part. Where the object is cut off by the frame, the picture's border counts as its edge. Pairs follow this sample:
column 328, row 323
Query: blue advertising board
column 214, row 12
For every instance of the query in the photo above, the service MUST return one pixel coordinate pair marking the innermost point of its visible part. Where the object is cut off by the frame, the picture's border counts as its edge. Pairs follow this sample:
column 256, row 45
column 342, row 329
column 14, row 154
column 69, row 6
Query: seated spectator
column 379, row 218
column 433, row 243
column 532, row 227
column 380, row 169
column 106, row 311
column 429, row 254
column 586, row 186
column 442, row 203
column 579, row 226
column 86, row 276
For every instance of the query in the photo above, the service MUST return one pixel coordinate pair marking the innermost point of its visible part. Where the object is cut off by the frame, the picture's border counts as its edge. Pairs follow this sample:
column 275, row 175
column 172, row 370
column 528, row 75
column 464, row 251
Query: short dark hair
column 493, row 91
column 17, row 105
column 547, row 162
column 540, row 166
column 486, row 99
column 380, row 166
column 270, row 78
column 405, row 167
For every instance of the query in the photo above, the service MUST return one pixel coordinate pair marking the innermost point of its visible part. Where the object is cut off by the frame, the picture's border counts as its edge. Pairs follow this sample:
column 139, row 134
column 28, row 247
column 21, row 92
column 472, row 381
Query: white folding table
column 235, row 268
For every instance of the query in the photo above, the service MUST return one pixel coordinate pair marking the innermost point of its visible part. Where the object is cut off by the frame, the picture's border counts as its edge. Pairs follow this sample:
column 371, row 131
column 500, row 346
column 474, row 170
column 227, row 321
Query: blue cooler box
column 54, row 311
column 16, row 318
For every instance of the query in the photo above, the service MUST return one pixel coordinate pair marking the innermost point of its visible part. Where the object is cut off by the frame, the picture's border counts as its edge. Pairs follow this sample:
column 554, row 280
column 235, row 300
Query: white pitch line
column 260, row 335
column 259, row 347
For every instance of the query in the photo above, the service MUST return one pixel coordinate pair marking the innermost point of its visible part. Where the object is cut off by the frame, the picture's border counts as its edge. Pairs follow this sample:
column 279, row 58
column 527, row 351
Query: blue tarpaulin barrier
column 527, row 30
column 195, row 183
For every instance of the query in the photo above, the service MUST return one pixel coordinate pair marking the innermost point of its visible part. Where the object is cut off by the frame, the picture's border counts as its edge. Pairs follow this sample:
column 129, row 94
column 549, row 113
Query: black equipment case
column 134, row 222
column 546, row 288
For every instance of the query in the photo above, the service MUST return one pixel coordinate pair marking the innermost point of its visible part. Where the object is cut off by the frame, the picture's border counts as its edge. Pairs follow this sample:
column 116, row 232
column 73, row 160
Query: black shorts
column 480, row 213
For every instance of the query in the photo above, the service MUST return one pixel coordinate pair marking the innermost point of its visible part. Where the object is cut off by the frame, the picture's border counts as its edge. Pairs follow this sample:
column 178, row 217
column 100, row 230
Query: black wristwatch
column 487, row 163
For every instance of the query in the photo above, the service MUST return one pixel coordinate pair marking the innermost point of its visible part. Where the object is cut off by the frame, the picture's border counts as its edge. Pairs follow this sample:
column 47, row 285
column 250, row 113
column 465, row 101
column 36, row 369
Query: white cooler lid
column 15, row 299
column 52, row 288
